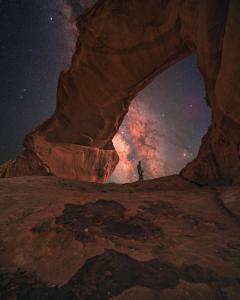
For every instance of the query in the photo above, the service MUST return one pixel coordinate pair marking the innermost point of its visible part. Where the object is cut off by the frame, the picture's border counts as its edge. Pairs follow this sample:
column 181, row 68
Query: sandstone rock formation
column 66, row 160
column 67, row 240
column 122, row 46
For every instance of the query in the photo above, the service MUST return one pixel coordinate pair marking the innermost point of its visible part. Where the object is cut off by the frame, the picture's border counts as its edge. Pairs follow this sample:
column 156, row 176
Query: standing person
column 140, row 171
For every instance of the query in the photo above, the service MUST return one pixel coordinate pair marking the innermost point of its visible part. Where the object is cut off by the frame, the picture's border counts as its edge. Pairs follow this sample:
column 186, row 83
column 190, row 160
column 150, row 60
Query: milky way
column 164, row 125
column 160, row 128
column 139, row 139
column 165, row 122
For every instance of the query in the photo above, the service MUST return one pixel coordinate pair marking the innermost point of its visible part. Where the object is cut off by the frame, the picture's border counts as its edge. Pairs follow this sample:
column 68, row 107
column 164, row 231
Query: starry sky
column 164, row 125
column 165, row 122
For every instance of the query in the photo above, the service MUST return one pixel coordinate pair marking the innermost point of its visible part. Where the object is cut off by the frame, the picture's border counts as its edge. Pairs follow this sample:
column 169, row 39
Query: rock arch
column 122, row 46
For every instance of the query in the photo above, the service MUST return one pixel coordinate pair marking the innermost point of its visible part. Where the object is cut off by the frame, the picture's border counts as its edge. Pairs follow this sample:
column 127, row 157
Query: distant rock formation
column 122, row 46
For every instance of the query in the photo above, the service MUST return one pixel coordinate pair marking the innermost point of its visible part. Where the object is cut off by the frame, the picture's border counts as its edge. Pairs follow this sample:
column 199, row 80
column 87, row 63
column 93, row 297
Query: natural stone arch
column 122, row 46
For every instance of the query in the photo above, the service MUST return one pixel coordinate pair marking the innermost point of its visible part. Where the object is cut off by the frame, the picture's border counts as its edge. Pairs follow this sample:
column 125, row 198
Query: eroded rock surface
column 122, row 46
column 160, row 239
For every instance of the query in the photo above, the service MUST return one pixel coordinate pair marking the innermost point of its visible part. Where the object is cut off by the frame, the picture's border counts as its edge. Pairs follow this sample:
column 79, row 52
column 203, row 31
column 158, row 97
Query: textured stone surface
column 161, row 239
column 122, row 46
column 64, row 160
column 231, row 200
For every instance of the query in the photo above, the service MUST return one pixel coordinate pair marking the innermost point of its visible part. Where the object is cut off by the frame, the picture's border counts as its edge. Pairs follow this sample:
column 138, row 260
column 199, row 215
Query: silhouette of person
column 140, row 171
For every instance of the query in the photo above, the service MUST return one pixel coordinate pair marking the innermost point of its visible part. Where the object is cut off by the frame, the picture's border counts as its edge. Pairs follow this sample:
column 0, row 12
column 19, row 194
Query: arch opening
column 164, row 125
column 117, row 57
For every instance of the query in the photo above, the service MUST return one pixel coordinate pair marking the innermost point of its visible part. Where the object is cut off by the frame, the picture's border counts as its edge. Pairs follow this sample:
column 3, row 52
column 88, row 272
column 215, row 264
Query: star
column 163, row 111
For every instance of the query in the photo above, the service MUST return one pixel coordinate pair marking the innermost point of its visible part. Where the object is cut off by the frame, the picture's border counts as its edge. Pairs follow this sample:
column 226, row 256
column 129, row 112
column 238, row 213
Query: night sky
column 165, row 122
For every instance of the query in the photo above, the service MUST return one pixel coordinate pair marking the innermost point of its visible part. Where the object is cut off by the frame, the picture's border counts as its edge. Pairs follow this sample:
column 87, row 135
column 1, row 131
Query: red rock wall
column 122, row 46
column 219, row 156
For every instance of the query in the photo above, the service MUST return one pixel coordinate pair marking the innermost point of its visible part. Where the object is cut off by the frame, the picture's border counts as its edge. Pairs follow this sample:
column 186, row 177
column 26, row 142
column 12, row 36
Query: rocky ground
column 160, row 239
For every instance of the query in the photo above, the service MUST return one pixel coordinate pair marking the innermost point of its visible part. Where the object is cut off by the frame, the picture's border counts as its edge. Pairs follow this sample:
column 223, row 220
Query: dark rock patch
column 162, row 208
column 42, row 228
column 112, row 273
column 106, row 217
column 198, row 274
column 230, row 252
column 24, row 286
column 135, row 228
column 45, row 293
column 109, row 274
column 158, row 249
column 196, row 221
column 83, row 220
column 101, row 277
column 166, row 209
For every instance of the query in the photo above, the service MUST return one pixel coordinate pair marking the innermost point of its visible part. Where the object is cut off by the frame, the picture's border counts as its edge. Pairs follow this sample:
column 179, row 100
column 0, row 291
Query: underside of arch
column 122, row 46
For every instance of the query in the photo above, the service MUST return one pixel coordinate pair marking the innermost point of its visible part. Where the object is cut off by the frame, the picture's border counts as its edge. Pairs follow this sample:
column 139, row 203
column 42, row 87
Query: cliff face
column 122, row 46
column 219, row 156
